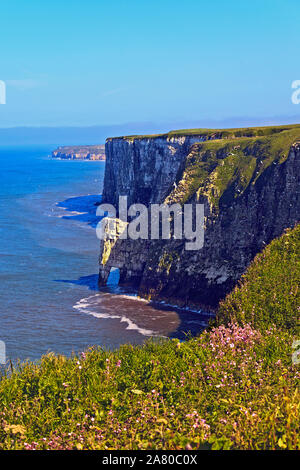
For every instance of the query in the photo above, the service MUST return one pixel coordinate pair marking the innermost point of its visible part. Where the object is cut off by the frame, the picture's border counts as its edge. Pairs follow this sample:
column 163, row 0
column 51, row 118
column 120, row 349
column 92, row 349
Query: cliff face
column 143, row 169
column 250, row 187
column 77, row 152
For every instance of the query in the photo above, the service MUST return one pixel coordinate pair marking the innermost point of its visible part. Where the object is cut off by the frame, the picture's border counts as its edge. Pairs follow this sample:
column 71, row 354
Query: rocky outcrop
column 250, row 187
column 87, row 152
column 144, row 169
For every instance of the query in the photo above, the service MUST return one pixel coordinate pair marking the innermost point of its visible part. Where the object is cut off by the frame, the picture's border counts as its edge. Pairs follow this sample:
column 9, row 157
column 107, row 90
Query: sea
column 49, row 254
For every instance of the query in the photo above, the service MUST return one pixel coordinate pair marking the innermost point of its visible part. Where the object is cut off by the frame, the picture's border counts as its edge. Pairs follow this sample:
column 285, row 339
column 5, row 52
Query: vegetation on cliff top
column 215, row 133
column 234, row 387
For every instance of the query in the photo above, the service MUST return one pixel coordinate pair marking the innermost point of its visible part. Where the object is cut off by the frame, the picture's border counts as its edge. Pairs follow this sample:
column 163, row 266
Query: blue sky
column 97, row 62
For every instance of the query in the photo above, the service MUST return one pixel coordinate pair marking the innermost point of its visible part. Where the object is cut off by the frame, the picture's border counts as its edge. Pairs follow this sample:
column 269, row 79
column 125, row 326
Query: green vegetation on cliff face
column 222, row 169
column 269, row 292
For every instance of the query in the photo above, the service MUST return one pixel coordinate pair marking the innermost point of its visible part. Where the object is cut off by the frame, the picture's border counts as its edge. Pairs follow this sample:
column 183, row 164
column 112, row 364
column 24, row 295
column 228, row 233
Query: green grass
column 215, row 133
column 231, row 388
column 269, row 292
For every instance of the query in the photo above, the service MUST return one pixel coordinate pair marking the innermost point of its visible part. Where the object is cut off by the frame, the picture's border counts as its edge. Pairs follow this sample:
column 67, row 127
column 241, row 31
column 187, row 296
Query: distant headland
column 80, row 152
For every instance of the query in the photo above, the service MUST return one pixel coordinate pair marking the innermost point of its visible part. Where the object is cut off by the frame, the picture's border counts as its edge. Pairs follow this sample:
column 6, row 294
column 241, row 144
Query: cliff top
column 271, row 285
column 215, row 133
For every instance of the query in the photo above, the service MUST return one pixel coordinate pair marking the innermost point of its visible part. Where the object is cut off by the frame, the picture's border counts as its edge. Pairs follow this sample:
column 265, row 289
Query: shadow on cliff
column 83, row 208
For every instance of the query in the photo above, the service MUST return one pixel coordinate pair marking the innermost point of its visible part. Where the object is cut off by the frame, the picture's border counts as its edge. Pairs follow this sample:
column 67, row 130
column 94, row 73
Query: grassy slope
column 215, row 133
column 230, row 388
column 233, row 387
column 269, row 292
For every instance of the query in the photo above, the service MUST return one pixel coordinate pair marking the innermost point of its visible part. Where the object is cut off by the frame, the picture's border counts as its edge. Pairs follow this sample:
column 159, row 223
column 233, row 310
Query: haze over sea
column 49, row 263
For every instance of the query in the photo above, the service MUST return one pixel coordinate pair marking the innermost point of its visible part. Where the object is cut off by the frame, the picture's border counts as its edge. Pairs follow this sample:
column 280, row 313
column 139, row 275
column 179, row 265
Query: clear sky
column 96, row 62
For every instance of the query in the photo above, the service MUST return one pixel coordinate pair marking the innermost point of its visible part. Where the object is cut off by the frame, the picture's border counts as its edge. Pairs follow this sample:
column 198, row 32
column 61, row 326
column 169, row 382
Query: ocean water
column 49, row 300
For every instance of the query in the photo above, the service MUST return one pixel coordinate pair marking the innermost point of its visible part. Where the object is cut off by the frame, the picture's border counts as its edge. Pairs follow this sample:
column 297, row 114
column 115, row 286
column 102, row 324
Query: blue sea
column 49, row 299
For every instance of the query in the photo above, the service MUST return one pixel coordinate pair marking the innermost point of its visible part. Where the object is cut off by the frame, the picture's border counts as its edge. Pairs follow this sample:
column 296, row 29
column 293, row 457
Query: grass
column 231, row 388
column 269, row 291
column 215, row 133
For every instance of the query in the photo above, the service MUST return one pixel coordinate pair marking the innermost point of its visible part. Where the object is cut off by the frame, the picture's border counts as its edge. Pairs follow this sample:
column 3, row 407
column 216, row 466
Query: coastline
column 76, row 159
column 80, row 152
